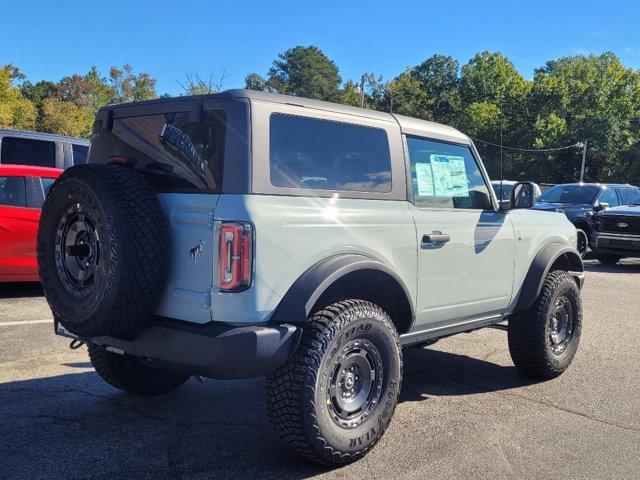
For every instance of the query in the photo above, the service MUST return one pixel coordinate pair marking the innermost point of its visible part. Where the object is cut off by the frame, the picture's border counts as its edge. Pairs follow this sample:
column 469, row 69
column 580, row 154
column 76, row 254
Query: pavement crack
column 548, row 404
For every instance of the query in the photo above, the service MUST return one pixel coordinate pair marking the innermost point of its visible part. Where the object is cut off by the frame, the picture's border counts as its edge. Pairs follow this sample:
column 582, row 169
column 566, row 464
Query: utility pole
column 362, row 91
column 584, row 160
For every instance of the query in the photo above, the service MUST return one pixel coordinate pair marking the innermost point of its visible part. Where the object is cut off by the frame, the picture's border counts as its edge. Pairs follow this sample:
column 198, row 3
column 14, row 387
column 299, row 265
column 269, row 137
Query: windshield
column 636, row 201
column 570, row 194
column 503, row 191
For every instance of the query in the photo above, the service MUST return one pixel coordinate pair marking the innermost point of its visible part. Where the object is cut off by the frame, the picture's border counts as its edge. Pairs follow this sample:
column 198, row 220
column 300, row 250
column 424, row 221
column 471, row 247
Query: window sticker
column 424, row 178
column 449, row 176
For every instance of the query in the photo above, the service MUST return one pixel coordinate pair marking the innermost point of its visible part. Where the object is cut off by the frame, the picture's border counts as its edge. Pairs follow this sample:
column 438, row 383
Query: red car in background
column 22, row 193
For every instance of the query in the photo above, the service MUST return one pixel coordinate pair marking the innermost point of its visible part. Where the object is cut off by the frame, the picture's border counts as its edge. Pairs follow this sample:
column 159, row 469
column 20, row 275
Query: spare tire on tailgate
column 102, row 250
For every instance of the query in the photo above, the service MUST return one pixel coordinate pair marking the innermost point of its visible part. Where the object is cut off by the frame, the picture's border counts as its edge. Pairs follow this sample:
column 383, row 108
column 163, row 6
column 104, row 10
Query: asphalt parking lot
column 465, row 411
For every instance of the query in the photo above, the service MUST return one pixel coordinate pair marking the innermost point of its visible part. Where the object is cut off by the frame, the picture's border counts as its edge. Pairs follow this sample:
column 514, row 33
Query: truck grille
column 621, row 224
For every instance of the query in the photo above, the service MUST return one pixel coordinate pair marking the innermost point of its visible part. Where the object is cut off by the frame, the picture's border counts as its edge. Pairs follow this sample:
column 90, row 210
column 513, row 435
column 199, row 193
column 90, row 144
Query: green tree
column 439, row 81
column 16, row 111
column 254, row 81
column 301, row 71
column 129, row 87
column 65, row 118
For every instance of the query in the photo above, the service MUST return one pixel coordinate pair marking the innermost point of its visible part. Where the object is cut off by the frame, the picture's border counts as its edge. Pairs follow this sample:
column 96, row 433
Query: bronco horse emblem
column 196, row 251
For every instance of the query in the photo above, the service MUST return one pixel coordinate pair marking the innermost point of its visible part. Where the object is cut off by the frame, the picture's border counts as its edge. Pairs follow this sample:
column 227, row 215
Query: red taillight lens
column 235, row 256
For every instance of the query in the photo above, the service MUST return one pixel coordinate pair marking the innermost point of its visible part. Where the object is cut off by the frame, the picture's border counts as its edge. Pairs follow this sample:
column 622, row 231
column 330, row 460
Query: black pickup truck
column 617, row 233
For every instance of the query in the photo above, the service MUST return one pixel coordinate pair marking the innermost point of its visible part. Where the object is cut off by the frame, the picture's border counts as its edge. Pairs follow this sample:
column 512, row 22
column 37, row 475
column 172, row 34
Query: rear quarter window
column 172, row 152
column 27, row 151
column 79, row 154
column 310, row 153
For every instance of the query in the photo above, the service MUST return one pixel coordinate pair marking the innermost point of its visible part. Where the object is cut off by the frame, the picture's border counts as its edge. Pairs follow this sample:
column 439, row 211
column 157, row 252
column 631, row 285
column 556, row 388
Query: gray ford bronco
column 246, row 234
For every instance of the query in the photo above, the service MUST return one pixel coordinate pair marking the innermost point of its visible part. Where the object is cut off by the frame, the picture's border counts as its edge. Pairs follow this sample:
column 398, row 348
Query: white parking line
column 25, row 322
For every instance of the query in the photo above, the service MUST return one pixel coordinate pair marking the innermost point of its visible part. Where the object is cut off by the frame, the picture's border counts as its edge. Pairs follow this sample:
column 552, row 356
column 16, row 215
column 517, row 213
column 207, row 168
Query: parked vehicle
column 503, row 189
column 581, row 201
column 248, row 234
column 617, row 233
column 22, row 193
column 19, row 147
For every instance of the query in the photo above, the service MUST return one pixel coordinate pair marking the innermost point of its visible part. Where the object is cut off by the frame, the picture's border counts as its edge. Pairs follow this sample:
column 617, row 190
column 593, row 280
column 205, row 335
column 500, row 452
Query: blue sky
column 51, row 39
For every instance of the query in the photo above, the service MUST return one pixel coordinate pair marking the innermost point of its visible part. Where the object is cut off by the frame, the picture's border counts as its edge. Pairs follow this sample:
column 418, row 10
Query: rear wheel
column 334, row 399
column 608, row 259
column 544, row 338
column 130, row 374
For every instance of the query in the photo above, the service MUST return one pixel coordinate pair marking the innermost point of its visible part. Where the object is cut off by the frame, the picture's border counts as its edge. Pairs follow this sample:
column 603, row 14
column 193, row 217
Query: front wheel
column 582, row 243
column 543, row 339
column 334, row 399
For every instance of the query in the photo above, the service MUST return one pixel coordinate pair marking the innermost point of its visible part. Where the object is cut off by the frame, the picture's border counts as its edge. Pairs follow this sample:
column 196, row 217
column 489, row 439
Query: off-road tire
column 529, row 331
column 606, row 259
column 297, row 392
column 129, row 248
column 128, row 373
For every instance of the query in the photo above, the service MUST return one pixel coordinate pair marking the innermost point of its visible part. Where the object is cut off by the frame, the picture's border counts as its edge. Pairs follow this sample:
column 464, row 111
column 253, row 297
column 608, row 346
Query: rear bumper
column 616, row 244
column 213, row 350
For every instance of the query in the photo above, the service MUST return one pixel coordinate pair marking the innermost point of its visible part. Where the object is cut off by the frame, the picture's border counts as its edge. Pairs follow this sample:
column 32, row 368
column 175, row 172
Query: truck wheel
column 544, row 338
column 334, row 399
column 128, row 373
column 608, row 259
column 583, row 242
column 102, row 249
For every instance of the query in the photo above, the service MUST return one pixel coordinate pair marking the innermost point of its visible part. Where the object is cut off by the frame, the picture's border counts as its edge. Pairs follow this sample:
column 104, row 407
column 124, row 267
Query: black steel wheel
column 333, row 401
column 356, row 383
column 77, row 249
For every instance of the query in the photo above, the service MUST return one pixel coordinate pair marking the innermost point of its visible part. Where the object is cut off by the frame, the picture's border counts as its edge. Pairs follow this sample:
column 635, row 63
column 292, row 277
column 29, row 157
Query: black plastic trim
column 297, row 303
column 212, row 350
column 541, row 266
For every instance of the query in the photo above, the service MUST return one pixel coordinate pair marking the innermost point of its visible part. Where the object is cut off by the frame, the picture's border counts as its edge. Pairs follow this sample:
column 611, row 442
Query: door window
column 27, row 151
column 609, row 196
column 444, row 175
column 13, row 192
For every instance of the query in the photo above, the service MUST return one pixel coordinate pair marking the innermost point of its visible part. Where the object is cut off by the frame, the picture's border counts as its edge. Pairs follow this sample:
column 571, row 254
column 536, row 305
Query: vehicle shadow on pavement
column 76, row 426
column 435, row 373
column 630, row 266
column 20, row 290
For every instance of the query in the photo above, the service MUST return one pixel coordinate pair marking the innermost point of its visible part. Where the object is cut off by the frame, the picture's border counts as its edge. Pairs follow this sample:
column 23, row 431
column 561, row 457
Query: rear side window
column 444, row 175
column 629, row 195
column 13, row 192
column 172, row 152
column 27, row 151
column 310, row 153
column 79, row 154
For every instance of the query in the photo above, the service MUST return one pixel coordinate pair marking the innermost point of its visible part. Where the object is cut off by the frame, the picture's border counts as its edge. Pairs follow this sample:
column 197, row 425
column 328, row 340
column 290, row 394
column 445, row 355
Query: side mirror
column 522, row 195
column 601, row 206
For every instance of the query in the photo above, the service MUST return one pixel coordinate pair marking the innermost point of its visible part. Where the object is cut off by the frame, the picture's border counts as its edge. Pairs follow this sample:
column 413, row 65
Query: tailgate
column 193, row 256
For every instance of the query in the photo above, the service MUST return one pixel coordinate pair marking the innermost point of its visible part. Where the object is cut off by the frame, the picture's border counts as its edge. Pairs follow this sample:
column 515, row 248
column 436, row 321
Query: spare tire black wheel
column 102, row 248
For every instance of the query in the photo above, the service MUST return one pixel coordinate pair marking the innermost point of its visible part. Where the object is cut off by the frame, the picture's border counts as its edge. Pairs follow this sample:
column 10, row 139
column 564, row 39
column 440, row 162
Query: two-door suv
column 247, row 234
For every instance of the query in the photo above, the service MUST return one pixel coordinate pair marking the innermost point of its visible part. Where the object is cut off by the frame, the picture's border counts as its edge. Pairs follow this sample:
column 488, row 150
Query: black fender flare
column 297, row 303
column 540, row 267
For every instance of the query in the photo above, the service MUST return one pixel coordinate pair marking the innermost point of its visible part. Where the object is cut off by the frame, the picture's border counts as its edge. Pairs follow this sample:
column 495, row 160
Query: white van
column 41, row 149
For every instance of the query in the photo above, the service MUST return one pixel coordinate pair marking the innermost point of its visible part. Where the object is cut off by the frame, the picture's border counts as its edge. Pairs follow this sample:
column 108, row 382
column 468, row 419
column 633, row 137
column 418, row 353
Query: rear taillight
column 235, row 256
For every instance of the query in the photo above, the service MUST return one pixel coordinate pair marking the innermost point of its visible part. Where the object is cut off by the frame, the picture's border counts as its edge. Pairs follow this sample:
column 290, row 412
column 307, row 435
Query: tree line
column 568, row 100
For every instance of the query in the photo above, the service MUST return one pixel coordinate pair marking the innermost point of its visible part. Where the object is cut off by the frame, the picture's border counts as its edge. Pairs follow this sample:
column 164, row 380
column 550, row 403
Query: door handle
column 436, row 238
